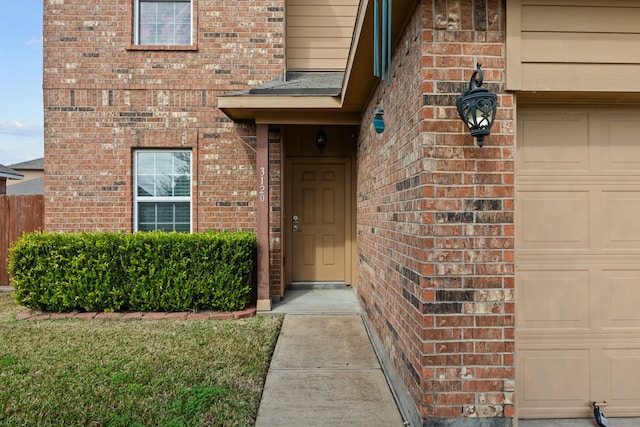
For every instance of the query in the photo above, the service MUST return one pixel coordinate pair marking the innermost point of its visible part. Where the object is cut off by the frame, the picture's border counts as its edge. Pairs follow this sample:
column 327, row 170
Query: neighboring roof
column 32, row 186
column 35, row 164
column 9, row 173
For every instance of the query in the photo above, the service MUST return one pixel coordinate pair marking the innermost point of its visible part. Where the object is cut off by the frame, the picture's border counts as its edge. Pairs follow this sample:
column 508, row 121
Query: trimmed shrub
column 150, row 271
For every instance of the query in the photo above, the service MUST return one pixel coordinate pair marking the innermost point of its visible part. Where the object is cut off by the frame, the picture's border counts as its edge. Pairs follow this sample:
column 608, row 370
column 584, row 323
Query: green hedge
column 154, row 271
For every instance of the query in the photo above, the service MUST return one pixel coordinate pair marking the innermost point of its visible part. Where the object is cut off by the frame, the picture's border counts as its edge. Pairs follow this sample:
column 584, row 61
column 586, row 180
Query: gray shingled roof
column 35, row 164
column 32, row 186
column 299, row 83
column 9, row 173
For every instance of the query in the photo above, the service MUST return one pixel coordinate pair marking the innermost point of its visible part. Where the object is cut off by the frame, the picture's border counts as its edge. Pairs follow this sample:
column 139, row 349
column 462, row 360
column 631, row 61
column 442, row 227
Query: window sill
column 192, row 47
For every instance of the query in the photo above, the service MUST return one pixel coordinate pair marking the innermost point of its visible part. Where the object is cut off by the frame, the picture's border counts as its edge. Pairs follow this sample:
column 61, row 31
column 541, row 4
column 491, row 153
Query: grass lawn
column 132, row 373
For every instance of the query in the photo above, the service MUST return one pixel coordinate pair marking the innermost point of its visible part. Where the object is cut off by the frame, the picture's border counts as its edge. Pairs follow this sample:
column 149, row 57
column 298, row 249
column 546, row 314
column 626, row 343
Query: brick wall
column 104, row 97
column 435, row 219
column 275, row 211
column 390, row 230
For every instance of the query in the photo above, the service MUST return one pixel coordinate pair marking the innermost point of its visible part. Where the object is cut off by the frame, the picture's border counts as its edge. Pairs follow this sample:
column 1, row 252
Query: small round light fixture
column 321, row 140
column 378, row 120
column 477, row 107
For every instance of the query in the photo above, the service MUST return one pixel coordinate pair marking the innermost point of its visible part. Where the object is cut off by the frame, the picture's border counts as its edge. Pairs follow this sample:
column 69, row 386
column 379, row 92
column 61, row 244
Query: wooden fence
column 18, row 215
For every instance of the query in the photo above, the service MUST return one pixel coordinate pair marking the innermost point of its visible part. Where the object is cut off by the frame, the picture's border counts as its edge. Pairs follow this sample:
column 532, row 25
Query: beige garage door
column 578, row 262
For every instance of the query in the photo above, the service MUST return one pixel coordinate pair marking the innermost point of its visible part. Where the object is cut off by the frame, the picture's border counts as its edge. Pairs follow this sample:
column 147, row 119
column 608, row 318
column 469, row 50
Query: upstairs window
column 163, row 22
column 162, row 190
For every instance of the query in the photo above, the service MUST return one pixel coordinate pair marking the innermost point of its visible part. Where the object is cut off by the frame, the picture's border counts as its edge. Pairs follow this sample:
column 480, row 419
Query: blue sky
column 21, row 110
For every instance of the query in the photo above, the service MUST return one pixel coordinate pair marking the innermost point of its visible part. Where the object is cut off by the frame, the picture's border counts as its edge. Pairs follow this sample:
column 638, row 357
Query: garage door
column 578, row 262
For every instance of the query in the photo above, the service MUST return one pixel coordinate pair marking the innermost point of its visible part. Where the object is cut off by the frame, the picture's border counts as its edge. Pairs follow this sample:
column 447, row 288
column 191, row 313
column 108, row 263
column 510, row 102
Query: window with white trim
column 162, row 190
column 163, row 22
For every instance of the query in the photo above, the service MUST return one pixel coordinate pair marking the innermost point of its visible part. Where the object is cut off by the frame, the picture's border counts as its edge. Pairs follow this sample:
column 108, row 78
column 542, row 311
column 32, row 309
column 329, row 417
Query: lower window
column 162, row 193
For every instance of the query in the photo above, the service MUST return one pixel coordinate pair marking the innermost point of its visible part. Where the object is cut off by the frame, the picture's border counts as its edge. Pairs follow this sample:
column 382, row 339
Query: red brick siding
column 275, row 211
column 391, row 231
column 435, row 219
column 104, row 98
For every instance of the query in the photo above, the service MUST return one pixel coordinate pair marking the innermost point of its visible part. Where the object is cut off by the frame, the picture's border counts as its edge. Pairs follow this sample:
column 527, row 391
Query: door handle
column 295, row 220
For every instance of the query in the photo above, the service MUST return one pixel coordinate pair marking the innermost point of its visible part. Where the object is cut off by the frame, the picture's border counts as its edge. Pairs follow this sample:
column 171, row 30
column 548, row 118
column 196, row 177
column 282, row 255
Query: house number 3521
column 261, row 195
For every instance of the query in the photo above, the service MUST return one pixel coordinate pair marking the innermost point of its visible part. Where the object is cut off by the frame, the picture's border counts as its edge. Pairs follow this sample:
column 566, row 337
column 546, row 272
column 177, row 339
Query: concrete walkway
column 318, row 301
column 324, row 371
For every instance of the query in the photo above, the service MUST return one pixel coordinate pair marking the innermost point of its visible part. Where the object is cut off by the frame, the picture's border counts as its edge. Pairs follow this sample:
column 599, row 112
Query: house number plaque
column 261, row 194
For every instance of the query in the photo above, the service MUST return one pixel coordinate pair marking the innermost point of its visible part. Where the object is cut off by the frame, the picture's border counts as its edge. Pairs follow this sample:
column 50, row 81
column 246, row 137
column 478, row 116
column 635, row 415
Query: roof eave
column 359, row 81
column 285, row 109
column 8, row 173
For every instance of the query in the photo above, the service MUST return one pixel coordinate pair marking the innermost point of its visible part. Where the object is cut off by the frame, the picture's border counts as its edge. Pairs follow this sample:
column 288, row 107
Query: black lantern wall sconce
column 321, row 141
column 477, row 107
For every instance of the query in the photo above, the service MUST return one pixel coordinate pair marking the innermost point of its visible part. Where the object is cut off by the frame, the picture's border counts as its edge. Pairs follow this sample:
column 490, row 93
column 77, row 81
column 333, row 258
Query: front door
column 318, row 222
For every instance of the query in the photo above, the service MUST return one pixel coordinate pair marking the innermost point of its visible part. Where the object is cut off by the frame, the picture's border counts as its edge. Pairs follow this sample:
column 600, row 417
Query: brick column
column 264, row 298
column 468, row 347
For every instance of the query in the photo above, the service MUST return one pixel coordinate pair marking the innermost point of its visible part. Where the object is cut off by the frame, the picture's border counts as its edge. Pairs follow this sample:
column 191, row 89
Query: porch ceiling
column 312, row 97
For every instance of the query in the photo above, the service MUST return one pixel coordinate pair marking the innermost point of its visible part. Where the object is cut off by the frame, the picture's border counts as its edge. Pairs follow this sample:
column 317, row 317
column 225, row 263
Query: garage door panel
column 567, row 149
column 622, row 363
column 617, row 136
column 616, row 367
column 620, row 297
column 554, row 378
column 543, row 295
column 620, row 226
column 554, row 219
